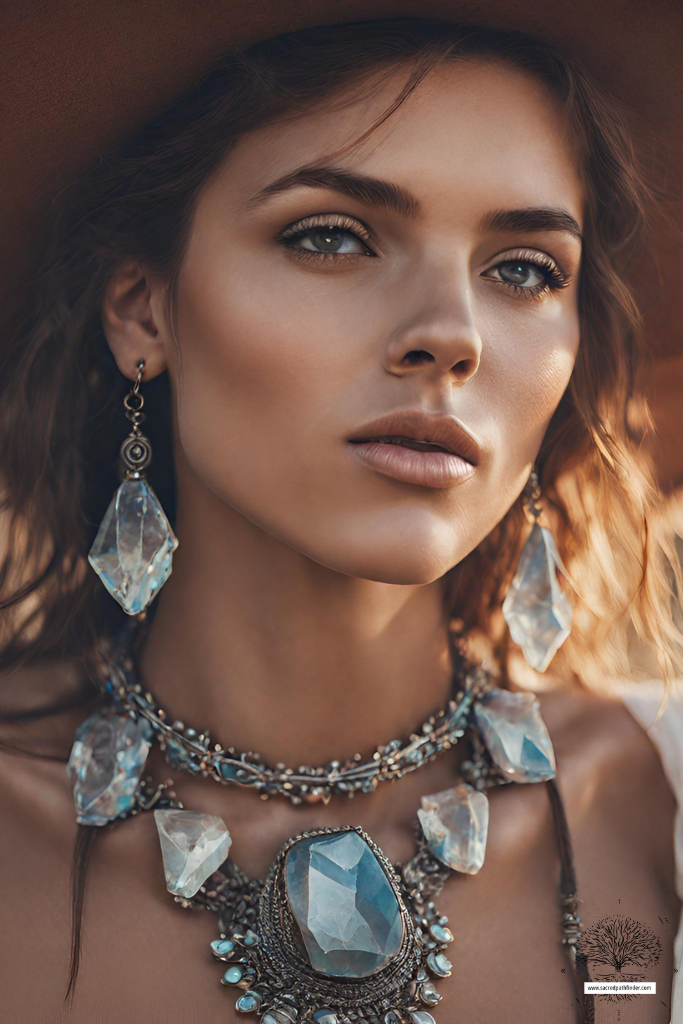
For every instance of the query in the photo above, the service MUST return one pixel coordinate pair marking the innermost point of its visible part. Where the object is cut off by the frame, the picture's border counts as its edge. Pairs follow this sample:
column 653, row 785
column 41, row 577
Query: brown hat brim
column 75, row 76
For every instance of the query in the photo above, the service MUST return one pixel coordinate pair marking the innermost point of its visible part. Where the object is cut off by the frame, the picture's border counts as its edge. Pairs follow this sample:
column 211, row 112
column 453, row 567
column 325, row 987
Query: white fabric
column 643, row 701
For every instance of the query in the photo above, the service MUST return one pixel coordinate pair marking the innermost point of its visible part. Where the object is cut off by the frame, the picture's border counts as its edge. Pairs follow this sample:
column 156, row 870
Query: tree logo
column 620, row 942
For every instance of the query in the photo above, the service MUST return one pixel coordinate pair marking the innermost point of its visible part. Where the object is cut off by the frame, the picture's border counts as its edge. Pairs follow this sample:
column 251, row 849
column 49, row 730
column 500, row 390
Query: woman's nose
column 440, row 339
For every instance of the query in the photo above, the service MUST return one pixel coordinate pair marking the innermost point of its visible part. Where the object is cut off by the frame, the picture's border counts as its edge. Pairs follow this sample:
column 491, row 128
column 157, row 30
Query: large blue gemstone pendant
column 335, row 937
column 346, row 909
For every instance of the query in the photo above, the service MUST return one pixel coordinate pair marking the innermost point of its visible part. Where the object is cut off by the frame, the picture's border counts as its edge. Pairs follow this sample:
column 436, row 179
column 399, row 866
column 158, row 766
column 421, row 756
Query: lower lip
column 427, row 469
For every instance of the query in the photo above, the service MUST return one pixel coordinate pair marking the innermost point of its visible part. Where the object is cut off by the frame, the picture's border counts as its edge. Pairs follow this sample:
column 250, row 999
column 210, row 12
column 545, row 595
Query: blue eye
column 521, row 274
column 529, row 278
column 325, row 235
column 328, row 239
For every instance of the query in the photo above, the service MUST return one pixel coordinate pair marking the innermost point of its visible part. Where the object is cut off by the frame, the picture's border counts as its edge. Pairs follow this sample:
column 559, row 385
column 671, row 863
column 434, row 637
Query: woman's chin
column 398, row 565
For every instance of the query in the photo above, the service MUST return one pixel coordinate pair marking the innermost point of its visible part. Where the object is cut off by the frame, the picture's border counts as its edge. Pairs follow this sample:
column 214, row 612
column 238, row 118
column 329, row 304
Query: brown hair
column 60, row 393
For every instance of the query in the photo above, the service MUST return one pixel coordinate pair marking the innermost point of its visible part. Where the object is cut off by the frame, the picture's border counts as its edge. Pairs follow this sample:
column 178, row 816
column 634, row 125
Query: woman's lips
column 427, row 468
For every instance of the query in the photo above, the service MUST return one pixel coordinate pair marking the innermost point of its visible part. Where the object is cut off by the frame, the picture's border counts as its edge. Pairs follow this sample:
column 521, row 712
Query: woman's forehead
column 470, row 131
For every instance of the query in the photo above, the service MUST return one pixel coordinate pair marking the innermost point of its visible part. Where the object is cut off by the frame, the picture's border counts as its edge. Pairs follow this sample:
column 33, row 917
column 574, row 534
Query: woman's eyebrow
column 531, row 219
column 388, row 196
column 372, row 191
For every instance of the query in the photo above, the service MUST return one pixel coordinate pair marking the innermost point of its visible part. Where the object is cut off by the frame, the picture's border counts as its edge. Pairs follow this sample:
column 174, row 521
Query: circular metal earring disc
column 136, row 452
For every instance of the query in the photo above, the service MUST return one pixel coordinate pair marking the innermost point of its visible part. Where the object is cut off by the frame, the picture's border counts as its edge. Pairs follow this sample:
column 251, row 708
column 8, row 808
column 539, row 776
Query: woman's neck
column 274, row 653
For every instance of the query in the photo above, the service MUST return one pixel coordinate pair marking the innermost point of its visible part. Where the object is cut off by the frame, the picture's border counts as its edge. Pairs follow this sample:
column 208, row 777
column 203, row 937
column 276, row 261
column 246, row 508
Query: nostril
column 418, row 356
column 465, row 368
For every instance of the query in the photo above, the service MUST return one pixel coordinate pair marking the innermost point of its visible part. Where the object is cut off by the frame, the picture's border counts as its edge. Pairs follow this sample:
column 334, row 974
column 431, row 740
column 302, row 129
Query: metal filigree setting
column 265, row 960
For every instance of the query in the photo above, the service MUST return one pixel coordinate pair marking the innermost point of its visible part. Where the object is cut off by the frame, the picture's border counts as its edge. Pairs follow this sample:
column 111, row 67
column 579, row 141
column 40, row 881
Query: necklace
column 336, row 933
column 193, row 751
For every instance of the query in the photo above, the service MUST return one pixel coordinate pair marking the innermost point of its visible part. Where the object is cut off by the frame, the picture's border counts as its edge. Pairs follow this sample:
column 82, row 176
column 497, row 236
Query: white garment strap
column 643, row 700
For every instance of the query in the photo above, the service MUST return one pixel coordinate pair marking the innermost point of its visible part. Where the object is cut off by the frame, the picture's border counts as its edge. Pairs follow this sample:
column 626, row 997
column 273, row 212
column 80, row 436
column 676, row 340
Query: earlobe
column 129, row 324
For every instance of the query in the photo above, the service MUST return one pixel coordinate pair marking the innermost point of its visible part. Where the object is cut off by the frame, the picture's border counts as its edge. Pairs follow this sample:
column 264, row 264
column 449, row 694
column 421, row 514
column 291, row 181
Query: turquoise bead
column 227, row 771
column 248, row 1002
column 440, row 933
column 222, row 947
column 325, row 1017
column 439, row 964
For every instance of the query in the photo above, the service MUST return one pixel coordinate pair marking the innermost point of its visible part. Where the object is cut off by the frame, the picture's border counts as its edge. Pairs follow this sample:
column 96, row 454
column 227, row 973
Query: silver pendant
column 334, row 935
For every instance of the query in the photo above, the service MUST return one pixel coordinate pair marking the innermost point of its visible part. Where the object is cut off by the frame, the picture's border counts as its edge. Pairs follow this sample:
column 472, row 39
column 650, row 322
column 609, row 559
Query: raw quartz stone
column 536, row 609
column 516, row 735
column 106, row 761
column 193, row 846
column 346, row 909
column 133, row 550
column 455, row 824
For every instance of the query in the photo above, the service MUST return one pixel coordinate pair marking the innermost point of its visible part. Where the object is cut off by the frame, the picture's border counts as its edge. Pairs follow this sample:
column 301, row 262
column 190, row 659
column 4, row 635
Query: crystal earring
column 536, row 609
column 133, row 549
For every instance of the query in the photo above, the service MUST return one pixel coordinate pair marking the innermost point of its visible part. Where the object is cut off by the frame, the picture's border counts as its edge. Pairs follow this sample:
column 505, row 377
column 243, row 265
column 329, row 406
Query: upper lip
column 416, row 425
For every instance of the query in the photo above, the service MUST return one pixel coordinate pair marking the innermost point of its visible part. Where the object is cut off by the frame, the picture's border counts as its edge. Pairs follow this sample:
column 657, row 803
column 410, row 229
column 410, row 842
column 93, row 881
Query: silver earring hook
column 138, row 380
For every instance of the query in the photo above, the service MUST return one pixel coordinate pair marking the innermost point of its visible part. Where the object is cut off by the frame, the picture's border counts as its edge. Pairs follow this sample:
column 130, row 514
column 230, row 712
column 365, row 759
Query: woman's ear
column 129, row 324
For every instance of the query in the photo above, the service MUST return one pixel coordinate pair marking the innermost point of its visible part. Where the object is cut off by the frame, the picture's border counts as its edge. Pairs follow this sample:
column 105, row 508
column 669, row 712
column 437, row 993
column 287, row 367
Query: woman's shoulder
column 620, row 761
column 625, row 715
column 613, row 761
column 616, row 723
column 659, row 711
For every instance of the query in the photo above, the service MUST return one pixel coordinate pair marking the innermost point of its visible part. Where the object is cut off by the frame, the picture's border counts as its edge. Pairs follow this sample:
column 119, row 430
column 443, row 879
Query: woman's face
column 310, row 306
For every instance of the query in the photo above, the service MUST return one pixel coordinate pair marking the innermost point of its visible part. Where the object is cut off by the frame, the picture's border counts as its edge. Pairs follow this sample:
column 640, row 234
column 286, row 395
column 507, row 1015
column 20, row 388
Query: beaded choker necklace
column 336, row 933
column 193, row 751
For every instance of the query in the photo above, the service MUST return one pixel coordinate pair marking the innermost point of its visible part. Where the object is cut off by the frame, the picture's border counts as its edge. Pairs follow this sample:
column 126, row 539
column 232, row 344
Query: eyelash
column 291, row 235
column 555, row 277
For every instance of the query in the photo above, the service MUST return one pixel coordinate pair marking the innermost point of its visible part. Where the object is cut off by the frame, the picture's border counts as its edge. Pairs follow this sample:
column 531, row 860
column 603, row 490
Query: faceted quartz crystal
column 344, row 905
column 105, row 765
column 455, row 824
column 516, row 735
column 536, row 609
column 133, row 549
column 193, row 846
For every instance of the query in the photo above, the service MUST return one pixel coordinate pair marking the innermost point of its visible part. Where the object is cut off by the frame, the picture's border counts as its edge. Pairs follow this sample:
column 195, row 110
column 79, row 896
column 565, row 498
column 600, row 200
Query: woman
column 374, row 271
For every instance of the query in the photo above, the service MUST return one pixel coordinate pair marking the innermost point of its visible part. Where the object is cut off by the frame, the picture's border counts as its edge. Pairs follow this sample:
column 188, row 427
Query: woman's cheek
column 529, row 388
column 549, row 379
